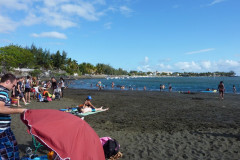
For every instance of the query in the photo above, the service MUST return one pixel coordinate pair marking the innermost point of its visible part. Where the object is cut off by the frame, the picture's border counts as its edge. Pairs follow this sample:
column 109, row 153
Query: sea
column 178, row 84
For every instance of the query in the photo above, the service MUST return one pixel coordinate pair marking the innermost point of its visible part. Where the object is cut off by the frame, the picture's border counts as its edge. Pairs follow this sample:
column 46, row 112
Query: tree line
column 14, row 56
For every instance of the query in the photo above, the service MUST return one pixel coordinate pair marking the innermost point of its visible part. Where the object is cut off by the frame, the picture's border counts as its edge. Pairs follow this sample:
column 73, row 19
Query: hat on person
column 89, row 97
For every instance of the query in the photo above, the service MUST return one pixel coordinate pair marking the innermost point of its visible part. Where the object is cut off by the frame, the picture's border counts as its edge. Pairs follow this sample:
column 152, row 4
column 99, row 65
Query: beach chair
column 36, row 144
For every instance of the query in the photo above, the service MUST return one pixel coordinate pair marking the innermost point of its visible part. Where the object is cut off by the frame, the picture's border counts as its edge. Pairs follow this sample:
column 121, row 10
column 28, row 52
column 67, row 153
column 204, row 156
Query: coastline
column 156, row 125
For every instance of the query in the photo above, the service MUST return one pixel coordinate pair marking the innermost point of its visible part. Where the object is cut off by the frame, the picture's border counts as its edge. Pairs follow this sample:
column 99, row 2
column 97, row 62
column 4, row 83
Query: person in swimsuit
column 87, row 106
column 221, row 90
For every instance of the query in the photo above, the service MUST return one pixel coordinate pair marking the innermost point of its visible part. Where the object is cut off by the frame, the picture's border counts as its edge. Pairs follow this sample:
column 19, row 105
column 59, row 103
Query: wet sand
column 156, row 125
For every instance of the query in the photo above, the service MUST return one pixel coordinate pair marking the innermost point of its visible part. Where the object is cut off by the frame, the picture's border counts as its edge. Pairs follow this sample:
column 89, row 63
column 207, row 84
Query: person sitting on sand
column 87, row 106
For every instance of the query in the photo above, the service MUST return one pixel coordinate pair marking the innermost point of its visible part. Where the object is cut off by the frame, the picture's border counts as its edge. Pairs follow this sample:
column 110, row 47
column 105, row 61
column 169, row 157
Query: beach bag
column 110, row 146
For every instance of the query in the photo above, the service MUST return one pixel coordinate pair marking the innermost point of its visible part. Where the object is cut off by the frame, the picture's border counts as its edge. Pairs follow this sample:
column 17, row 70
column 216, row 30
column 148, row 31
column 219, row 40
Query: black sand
column 156, row 125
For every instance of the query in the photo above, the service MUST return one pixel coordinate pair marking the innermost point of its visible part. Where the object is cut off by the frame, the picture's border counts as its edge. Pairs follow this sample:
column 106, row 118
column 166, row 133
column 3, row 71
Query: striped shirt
column 5, row 119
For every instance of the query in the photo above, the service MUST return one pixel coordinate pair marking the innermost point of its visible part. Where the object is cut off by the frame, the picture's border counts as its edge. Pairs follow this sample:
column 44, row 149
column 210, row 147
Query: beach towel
column 74, row 111
column 68, row 136
column 86, row 114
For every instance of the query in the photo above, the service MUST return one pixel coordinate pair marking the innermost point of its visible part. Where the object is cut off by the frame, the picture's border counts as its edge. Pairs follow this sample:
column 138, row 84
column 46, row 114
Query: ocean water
column 193, row 84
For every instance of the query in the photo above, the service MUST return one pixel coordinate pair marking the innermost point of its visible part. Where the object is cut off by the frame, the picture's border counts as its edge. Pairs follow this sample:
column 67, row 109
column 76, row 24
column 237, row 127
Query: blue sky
column 143, row 35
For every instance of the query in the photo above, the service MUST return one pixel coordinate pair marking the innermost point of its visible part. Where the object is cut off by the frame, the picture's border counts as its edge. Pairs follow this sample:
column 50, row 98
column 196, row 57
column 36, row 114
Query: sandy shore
column 156, row 125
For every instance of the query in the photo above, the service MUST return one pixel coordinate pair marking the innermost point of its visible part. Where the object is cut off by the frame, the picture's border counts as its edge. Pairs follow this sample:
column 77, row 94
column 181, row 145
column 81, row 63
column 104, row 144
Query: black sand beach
column 156, row 125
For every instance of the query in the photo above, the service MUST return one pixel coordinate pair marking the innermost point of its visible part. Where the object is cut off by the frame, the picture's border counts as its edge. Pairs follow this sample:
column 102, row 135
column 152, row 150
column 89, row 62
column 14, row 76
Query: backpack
column 110, row 146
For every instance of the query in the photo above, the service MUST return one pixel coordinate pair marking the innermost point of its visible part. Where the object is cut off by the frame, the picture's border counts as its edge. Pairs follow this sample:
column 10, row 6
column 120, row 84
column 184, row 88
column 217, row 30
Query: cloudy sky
column 143, row 35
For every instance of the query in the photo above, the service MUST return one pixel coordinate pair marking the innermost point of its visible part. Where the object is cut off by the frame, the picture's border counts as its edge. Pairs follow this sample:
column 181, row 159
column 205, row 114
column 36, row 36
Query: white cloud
column 50, row 35
column 230, row 63
column 201, row 66
column 215, row 2
column 56, row 19
column 206, row 64
column 54, row 3
column 85, row 10
column 31, row 19
column 7, row 25
column 108, row 25
column 125, row 10
column 200, row 51
column 15, row 4
column 188, row 66
column 144, row 68
column 59, row 13
column 113, row 9
column 164, row 67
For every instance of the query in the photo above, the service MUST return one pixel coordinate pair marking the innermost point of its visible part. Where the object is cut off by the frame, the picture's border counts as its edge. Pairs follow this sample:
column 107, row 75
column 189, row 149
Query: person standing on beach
column 144, row 88
column 221, row 90
column 54, row 84
column 169, row 87
column 112, row 85
column 8, row 143
column 160, row 87
column 234, row 89
column 34, row 85
column 20, row 91
column 62, row 86
column 28, row 85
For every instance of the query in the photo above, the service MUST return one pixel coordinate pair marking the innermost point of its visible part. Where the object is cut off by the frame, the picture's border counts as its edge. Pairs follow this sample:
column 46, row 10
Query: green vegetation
column 13, row 56
column 41, row 60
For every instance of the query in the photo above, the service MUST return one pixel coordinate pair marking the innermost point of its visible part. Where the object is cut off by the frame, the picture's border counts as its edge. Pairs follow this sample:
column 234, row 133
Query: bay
column 193, row 84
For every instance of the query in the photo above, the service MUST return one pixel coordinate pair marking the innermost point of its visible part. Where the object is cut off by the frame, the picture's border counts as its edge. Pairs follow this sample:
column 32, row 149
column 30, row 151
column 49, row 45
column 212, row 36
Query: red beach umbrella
column 68, row 136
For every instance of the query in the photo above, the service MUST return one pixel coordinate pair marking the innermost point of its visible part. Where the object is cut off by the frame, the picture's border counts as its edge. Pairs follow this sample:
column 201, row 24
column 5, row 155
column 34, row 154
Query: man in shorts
column 8, row 143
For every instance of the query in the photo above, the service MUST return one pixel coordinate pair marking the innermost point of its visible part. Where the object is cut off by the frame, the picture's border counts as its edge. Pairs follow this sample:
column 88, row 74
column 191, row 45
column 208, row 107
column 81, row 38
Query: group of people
column 31, row 88
column 22, row 89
